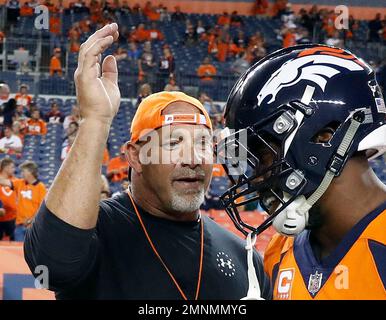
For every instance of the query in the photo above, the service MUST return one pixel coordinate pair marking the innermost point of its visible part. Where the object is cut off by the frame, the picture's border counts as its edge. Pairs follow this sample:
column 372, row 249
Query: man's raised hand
column 96, row 80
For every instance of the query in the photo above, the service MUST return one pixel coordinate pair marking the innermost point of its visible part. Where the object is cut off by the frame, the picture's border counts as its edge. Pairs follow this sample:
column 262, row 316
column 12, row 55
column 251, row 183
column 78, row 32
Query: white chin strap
column 293, row 219
column 254, row 287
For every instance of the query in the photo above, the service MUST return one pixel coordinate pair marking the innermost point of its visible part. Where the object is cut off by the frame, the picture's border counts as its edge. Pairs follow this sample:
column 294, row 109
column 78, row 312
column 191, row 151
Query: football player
column 310, row 118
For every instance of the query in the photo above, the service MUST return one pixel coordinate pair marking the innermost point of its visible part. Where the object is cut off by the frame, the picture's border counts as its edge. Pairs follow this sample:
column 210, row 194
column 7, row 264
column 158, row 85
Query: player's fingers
column 92, row 54
column 107, row 30
column 110, row 69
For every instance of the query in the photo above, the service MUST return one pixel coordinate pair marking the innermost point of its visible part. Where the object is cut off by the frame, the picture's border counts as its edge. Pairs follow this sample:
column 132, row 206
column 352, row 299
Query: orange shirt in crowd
column 74, row 46
column 2, row 36
column 224, row 20
column 120, row 165
column 29, row 198
column 23, row 99
column 218, row 170
column 8, row 198
column 55, row 66
column 36, row 127
column 204, row 69
column 289, row 40
column 55, row 25
column 26, row 11
column 141, row 35
column 222, row 53
column 155, row 34
column 153, row 15
column 261, row 7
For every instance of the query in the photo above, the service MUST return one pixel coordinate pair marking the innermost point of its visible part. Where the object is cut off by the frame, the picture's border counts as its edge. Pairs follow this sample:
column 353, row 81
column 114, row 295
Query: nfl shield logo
column 315, row 282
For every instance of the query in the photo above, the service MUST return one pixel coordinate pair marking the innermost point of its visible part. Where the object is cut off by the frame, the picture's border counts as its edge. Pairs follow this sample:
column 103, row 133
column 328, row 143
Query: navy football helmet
column 276, row 110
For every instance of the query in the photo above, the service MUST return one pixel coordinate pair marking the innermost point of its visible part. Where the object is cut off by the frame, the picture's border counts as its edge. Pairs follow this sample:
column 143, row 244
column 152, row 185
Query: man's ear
column 132, row 156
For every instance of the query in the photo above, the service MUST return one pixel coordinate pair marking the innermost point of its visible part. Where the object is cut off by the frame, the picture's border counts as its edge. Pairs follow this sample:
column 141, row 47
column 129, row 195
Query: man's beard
column 185, row 203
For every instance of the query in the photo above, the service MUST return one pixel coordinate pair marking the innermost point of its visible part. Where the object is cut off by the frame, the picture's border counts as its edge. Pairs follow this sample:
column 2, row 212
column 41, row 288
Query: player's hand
column 96, row 81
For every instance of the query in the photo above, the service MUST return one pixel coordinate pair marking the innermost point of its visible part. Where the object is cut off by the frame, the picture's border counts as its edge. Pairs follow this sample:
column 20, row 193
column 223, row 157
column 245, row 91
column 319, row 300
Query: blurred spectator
column 10, row 143
column 166, row 63
column 26, row 10
column 9, row 111
column 18, row 130
column 207, row 102
column 353, row 27
column 303, row 36
column 241, row 39
column 223, row 45
column 30, row 192
column 147, row 67
column 71, row 131
column 191, row 37
column 134, row 52
column 55, row 64
column 117, row 170
column 74, row 45
column 73, row 117
column 261, row 7
column 144, row 91
column 54, row 115
column 279, row 8
column 4, row 93
column 67, row 146
column 375, row 29
column 8, row 199
column 35, row 125
column 125, row 8
column 289, row 36
column 164, row 13
column 22, row 97
column 13, row 11
column 200, row 29
column 177, row 15
column 224, row 19
column 124, row 186
column 172, row 84
column 206, row 71
column 21, row 117
column 240, row 65
column 236, row 20
column 305, row 20
column 141, row 34
column 155, row 33
column 288, row 16
column 55, row 25
column 335, row 40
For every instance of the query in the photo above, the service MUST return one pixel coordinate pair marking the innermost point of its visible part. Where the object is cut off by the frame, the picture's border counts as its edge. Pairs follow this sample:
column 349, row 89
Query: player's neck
column 344, row 206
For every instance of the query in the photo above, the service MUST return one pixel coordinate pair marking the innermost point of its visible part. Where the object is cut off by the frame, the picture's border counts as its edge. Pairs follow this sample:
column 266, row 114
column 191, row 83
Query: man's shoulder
column 116, row 207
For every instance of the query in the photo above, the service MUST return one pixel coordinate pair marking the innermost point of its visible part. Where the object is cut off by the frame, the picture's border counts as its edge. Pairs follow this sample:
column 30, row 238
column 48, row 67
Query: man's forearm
column 75, row 193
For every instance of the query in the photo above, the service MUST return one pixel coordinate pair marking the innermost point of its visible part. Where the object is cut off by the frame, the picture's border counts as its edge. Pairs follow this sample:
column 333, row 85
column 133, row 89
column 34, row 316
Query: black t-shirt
column 115, row 261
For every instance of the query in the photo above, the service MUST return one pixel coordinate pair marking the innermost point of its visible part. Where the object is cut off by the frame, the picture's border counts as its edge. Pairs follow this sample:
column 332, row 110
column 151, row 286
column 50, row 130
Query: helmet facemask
column 254, row 159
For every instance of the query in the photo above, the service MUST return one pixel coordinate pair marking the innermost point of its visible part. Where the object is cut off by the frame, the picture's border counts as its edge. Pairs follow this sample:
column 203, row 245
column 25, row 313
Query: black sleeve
column 264, row 282
column 68, row 252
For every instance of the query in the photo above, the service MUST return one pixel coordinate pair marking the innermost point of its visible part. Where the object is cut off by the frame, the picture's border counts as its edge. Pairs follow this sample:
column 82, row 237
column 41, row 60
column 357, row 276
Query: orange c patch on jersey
column 284, row 284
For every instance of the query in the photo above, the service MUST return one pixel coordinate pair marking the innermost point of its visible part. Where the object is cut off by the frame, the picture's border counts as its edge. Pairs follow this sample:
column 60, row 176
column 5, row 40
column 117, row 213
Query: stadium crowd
column 225, row 41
